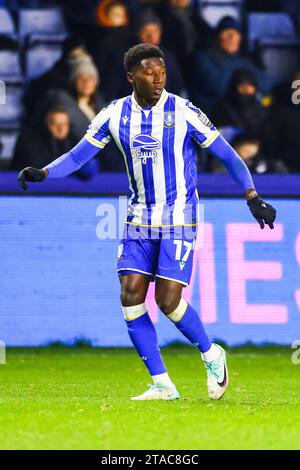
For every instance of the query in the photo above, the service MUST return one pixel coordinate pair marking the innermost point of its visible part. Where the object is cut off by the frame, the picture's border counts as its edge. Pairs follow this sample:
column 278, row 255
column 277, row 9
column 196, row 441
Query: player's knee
column 131, row 295
column 167, row 302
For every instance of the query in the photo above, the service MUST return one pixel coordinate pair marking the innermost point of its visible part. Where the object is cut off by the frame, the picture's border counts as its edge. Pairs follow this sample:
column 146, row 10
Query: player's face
column 149, row 79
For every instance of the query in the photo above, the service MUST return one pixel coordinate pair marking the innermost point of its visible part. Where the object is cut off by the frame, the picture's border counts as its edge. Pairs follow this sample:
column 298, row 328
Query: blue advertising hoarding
column 58, row 259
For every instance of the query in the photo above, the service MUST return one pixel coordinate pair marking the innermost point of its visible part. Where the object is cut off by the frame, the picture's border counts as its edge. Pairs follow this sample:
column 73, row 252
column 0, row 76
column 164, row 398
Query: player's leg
column 140, row 257
column 139, row 325
column 173, row 273
column 168, row 296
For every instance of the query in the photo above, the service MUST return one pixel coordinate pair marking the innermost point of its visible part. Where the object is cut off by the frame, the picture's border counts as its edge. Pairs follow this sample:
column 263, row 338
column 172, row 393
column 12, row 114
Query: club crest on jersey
column 169, row 119
column 145, row 146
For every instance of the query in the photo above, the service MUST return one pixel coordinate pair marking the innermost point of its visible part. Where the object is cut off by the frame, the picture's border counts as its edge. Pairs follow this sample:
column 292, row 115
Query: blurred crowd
column 209, row 66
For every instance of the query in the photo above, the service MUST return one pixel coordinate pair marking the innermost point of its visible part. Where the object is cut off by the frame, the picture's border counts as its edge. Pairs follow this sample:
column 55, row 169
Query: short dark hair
column 137, row 53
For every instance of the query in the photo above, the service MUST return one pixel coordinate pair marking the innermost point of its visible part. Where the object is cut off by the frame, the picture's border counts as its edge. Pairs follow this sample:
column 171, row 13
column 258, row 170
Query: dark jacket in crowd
column 212, row 74
column 108, row 54
column 174, row 82
column 281, row 139
column 79, row 122
column 242, row 112
column 36, row 147
column 183, row 32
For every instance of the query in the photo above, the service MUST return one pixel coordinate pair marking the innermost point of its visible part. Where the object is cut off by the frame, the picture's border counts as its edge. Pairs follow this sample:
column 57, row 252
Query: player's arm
column 97, row 136
column 207, row 136
column 263, row 212
column 65, row 165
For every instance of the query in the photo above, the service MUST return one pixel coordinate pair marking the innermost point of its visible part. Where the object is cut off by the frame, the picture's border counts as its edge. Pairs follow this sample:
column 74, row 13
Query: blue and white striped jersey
column 159, row 148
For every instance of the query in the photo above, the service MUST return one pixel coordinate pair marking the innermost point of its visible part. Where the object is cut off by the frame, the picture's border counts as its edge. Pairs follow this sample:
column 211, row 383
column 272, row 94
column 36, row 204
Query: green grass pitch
column 78, row 398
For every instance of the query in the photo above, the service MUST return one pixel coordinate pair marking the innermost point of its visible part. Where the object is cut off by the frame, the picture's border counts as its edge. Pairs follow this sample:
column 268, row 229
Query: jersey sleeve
column 199, row 126
column 98, row 133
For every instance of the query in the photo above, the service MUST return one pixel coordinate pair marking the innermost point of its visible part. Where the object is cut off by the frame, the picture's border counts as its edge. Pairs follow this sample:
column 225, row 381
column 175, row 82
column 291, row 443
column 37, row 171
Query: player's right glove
column 30, row 174
column 263, row 212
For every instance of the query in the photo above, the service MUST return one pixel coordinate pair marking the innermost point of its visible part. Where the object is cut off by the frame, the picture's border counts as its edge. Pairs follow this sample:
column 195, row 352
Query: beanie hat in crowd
column 147, row 17
column 83, row 65
column 228, row 22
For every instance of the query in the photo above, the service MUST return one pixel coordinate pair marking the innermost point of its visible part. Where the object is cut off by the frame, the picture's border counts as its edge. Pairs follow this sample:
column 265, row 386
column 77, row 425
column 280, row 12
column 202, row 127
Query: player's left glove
column 30, row 174
column 263, row 212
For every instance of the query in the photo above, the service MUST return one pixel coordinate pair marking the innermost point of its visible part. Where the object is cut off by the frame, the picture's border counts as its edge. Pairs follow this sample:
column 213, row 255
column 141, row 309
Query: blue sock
column 144, row 338
column 190, row 325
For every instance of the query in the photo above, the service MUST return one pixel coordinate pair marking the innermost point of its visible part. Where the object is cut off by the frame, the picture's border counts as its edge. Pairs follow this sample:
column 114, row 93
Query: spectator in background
column 241, row 108
column 108, row 52
column 215, row 66
column 83, row 100
column 183, row 32
column 112, row 14
column 241, row 119
column 281, row 139
column 149, row 30
column 248, row 147
column 58, row 76
column 40, row 143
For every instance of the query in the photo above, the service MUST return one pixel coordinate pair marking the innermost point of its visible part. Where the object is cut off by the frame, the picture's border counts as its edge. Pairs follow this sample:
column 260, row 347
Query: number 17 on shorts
column 175, row 260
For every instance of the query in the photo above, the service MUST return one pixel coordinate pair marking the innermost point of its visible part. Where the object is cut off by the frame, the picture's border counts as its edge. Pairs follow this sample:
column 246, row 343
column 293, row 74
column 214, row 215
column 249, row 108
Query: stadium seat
column 7, row 27
column 10, row 69
column 41, row 58
column 11, row 111
column 213, row 11
column 42, row 25
column 280, row 59
column 8, row 139
column 277, row 26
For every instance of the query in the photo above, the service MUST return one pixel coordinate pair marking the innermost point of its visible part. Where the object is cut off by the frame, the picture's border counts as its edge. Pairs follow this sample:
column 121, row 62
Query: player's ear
column 130, row 77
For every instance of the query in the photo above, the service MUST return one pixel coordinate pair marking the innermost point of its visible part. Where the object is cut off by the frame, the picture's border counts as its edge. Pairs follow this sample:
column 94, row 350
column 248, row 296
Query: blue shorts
column 163, row 254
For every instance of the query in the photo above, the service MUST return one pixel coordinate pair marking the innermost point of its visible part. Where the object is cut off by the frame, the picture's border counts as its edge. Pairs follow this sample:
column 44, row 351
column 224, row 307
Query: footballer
column 157, row 133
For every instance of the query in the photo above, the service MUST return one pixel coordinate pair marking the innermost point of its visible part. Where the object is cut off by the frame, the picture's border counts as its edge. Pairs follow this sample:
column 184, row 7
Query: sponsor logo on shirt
column 204, row 119
column 145, row 146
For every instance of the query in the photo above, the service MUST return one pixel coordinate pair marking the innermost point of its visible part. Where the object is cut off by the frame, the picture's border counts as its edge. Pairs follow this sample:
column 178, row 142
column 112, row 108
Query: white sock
column 163, row 379
column 212, row 354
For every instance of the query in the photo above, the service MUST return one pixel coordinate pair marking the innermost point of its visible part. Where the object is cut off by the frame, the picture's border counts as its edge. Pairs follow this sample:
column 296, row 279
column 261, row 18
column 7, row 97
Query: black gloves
column 263, row 212
column 30, row 174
